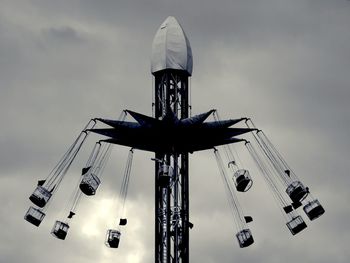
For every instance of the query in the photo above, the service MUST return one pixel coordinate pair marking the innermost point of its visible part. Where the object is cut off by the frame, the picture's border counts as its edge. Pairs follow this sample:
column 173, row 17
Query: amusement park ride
column 172, row 134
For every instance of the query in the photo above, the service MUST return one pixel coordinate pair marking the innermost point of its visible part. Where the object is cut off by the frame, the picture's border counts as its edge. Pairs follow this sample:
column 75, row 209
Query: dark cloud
column 65, row 33
column 284, row 63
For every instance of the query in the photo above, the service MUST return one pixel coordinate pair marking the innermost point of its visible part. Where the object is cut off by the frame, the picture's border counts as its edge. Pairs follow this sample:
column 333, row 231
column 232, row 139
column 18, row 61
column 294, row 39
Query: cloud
column 65, row 33
column 283, row 63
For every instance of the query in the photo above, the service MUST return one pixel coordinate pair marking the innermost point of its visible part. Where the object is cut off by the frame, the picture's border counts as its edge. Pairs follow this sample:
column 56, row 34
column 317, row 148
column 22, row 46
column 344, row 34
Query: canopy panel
column 171, row 134
column 171, row 48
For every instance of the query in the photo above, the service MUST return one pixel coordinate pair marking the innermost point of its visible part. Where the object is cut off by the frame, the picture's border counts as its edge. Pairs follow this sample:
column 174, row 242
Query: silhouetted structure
column 172, row 133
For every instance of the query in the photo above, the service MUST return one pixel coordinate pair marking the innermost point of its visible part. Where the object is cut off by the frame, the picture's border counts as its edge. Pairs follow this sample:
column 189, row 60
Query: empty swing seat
column 297, row 191
column 89, row 184
column 242, row 180
column 123, row 221
column 245, row 238
column 313, row 209
column 113, row 238
column 40, row 196
column 164, row 175
column 34, row 216
column 60, row 230
column 296, row 225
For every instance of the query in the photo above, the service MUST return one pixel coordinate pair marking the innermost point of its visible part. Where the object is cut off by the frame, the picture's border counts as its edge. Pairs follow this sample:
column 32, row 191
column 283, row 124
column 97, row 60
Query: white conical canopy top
column 171, row 48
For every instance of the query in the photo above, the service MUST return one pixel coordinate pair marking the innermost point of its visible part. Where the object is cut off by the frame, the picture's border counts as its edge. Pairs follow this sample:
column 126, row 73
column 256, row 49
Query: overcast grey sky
column 284, row 63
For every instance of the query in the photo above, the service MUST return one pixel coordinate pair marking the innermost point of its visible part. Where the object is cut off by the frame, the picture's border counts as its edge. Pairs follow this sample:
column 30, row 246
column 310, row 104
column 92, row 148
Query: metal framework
column 172, row 134
column 172, row 203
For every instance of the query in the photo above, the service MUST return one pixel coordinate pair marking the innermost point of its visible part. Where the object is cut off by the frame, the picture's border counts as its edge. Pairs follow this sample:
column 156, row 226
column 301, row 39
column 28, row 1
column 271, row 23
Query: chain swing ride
column 172, row 134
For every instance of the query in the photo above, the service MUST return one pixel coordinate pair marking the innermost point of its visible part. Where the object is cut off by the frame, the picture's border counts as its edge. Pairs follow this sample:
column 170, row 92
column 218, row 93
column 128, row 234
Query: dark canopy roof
column 171, row 134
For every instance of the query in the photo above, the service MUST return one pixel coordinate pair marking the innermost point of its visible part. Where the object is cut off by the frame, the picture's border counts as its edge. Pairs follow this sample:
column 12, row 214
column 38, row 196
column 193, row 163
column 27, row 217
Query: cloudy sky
column 284, row 63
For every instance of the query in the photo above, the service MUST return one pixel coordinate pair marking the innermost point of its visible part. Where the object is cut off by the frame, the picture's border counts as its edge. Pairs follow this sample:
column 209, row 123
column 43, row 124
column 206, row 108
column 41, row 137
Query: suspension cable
column 93, row 156
column 267, row 174
column 280, row 157
column 101, row 159
column 236, row 209
column 232, row 164
column 280, row 175
column 56, row 175
column 95, row 165
column 275, row 157
column 125, row 183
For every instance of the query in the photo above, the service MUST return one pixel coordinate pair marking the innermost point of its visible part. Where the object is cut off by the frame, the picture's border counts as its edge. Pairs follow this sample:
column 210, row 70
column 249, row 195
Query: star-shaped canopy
column 170, row 134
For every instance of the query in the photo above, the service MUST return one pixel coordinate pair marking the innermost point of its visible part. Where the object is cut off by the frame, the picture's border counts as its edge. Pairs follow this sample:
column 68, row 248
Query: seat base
column 31, row 219
column 87, row 189
column 315, row 212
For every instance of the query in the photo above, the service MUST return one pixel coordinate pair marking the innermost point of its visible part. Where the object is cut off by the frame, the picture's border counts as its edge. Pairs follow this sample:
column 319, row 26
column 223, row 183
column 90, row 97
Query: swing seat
column 40, row 196
column 245, row 238
column 34, row 216
column 113, row 238
column 123, row 221
column 60, row 230
column 89, row 184
column 242, row 180
column 296, row 225
column 313, row 209
column 297, row 191
column 164, row 175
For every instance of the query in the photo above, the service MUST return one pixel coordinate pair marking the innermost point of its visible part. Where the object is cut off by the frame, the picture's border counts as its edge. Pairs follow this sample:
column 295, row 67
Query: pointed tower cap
column 171, row 48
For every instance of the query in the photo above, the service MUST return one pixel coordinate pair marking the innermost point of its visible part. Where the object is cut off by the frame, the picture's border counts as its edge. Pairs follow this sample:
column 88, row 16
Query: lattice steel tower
column 171, row 67
column 172, row 134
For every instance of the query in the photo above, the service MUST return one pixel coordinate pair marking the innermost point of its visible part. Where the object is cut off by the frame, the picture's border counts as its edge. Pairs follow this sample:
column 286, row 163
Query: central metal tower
column 171, row 201
column 171, row 67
